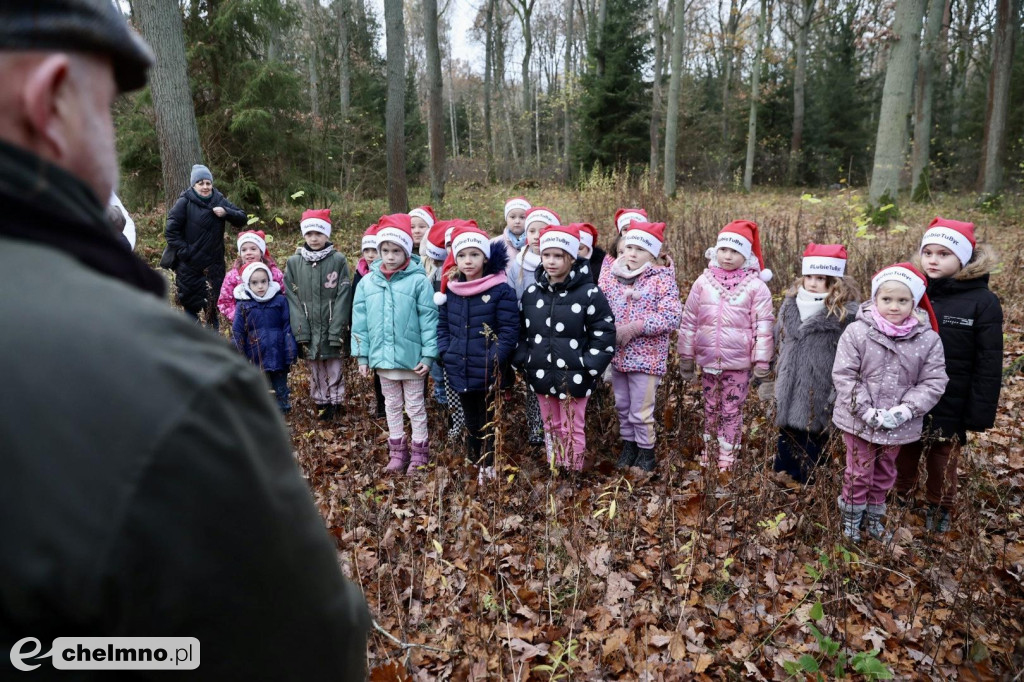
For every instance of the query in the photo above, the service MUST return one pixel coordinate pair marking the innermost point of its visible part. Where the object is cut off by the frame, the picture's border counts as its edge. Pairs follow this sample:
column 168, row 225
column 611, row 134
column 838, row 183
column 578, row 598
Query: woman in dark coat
column 195, row 230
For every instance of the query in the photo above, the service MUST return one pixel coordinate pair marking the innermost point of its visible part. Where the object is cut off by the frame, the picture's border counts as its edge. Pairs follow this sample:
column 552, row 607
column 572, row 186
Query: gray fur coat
column 803, row 385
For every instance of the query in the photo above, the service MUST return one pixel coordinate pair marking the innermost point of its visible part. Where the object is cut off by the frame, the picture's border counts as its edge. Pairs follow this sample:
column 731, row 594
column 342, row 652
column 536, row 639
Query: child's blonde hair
column 429, row 264
column 841, row 290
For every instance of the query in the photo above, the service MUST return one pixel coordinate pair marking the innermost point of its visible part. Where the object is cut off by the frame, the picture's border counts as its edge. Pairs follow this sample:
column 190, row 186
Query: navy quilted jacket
column 263, row 333
column 477, row 332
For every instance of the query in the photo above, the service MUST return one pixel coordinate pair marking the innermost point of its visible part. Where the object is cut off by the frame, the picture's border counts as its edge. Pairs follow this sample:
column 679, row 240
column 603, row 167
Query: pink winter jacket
column 233, row 277
column 873, row 370
column 727, row 329
column 652, row 298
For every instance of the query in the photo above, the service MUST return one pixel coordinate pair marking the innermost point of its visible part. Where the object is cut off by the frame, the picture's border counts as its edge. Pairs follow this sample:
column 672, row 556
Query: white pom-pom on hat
column 440, row 298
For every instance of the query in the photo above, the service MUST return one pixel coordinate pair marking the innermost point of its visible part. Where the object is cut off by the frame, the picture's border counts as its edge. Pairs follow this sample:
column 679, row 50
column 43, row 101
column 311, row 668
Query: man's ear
column 45, row 100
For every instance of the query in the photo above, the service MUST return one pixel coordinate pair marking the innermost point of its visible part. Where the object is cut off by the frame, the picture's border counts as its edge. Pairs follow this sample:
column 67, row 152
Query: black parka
column 971, row 327
column 195, row 231
column 567, row 334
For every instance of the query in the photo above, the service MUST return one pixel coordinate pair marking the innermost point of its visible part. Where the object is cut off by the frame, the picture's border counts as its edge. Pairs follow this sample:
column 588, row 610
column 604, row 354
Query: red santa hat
column 624, row 216
column 316, row 220
column 251, row 268
column 565, row 237
column 453, row 226
column 539, row 214
column 514, row 203
column 648, row 236
column 828, row 260
column 434, row 242
column 588, row 234
column 369, row 238
column 956, row 236
column 466, row 237
column 257, row 237
column 744, row 236
column 397, row 229
column 425, row 213
column 912, row 278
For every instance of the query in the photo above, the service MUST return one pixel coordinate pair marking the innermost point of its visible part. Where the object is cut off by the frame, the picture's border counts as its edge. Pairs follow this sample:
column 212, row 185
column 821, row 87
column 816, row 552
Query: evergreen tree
column 615, row 105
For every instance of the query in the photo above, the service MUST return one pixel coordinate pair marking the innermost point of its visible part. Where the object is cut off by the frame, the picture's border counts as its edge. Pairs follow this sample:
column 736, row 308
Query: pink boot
column 726, row 454
column 399, row 450
column 420, row 456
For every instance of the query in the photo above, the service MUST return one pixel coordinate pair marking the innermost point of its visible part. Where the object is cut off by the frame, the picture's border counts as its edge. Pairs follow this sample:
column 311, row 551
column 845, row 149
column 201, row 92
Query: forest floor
column 684, row 573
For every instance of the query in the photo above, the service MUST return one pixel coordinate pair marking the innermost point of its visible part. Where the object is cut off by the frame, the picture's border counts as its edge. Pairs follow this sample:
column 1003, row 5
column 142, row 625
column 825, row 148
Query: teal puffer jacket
column 394, row 322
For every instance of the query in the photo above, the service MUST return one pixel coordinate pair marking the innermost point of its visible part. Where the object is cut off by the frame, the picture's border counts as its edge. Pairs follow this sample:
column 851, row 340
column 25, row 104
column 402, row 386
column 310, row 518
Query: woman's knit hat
column 397, row 229
column 910, row 277
column 316, row 220
column 624, row 216
column 744, row 237
column 827, row 260
column 199, row 172
column 257, row 237
column 956, row 236
column 648, row 236
column 425, row 213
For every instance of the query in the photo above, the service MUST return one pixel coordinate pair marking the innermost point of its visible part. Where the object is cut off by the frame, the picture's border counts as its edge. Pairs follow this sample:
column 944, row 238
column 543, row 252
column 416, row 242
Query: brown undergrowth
column 684, row 574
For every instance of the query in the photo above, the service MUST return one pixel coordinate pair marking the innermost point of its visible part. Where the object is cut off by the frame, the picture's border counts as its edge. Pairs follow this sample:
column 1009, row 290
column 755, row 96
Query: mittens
column 897, row 416
column 873, row 417
column 624, row 333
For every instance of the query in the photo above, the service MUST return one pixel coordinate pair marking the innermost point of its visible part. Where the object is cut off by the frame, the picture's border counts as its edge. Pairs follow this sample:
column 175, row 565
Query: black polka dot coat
column 566, row 335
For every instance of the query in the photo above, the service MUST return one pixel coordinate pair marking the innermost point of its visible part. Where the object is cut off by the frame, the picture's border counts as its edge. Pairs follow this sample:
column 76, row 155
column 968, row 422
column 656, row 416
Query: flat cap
column 95, row 26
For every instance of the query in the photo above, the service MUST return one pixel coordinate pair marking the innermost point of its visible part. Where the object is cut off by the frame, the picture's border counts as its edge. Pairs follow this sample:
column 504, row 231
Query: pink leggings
column 410, row 392
column 870, row 470
column 565, row 435
column 724, row 394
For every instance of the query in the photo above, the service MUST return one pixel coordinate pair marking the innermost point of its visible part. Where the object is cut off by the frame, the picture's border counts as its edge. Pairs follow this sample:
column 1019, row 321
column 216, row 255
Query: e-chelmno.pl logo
column 109, row 653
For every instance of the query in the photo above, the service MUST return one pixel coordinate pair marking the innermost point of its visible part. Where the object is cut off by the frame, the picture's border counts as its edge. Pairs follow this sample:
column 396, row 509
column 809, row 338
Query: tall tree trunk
column 451, row 113
column 435, row 107
column 891, row 141
column 527, row 54
column 394, row 31
column 489, row 150
column 602, row 17
column 314, row 76
column 755, row 93
column 729, row 47
column 656, row 95
column 923, row 96
column 672, row 112
column 962, row 70
column 796, row 141
column 160, row 24
column 344, row 57
column 570, row 14
column 990, row 173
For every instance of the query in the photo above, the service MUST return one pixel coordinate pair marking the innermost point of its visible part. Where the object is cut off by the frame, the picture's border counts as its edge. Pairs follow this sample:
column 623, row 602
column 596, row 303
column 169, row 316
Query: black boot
column 628, row 456
column 645, row 459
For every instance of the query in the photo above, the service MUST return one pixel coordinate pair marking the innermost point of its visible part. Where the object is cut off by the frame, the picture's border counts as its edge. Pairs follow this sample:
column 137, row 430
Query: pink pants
column 724, row 394
column 326, row 381
column 870, row 470
column 634, row 401
column 565, row 435
column 408, row 392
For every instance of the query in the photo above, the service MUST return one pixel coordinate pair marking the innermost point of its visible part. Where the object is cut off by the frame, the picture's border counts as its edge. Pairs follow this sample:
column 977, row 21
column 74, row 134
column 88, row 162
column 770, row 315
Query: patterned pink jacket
column 652, row 298
column 233, row 277
column 728, row 329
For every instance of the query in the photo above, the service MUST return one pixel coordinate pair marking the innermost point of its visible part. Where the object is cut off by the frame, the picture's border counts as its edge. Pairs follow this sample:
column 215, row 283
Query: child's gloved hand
column 897, row 416
column 761, row 371
column 873, row 417
column 624, row 333
column 766, row 391
column 687, row 370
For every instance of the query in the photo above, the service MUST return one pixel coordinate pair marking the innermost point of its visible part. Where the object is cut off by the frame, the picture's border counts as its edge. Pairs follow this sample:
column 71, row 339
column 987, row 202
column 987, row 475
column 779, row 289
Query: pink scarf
column 729, row 279
column 362, row 267
column 476, row 286
column 893, row 330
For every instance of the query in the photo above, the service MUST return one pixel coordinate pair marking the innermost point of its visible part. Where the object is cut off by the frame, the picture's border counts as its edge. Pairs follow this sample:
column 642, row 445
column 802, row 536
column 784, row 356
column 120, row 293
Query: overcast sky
column 461, row 14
